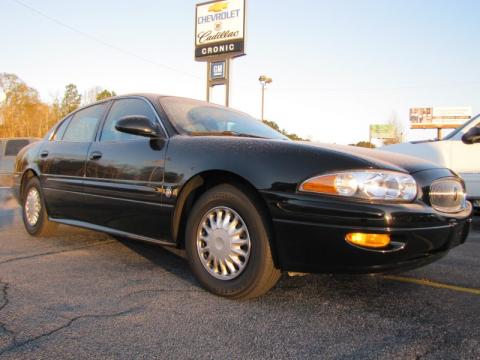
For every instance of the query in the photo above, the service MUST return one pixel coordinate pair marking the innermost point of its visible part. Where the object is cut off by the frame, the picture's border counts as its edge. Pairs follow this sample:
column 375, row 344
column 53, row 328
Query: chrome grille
column 448, row 195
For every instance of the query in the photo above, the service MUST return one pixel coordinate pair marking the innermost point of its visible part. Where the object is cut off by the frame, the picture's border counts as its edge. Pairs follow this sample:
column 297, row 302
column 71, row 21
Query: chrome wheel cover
column 223, row 243
column 33, row 206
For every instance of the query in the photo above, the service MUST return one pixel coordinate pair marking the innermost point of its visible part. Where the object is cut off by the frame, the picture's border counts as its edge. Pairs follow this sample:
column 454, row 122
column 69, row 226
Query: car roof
column 20, row 138
column 150, row 96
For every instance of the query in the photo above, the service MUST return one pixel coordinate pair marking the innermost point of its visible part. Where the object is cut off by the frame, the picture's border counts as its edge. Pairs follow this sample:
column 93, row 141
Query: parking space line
column 432, row 284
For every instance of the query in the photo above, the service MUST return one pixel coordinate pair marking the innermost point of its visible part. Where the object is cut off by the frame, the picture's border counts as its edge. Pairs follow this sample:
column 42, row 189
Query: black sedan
column 244, row 201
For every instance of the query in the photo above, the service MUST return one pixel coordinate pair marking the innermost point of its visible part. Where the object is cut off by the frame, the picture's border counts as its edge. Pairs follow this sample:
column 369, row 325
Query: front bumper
column 310, row 231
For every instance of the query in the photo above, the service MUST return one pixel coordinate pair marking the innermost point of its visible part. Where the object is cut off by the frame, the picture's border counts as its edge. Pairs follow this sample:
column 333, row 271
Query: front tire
column 227, row 244
column 34, row 212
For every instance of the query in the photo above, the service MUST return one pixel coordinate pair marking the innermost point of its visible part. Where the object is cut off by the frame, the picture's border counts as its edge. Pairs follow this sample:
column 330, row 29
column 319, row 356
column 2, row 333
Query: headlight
column 366, row 184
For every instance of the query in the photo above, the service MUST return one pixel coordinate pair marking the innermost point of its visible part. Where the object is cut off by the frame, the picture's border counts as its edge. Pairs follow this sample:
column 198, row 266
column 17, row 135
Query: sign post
column 219, row 37
column 439, row 118
column 218, row 73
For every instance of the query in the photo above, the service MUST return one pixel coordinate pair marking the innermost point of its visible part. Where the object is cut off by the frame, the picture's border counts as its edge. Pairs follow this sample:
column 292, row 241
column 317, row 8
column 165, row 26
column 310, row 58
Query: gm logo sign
column 217, row 70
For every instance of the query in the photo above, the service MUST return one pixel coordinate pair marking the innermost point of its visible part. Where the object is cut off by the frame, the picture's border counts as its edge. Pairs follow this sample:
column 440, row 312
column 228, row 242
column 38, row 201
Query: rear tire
column 34, row 212
column 227, row 244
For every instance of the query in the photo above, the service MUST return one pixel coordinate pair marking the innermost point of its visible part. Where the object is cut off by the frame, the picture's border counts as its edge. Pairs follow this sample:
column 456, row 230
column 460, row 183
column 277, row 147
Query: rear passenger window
column 84, row 123
column 14, row 146
column 61, row 129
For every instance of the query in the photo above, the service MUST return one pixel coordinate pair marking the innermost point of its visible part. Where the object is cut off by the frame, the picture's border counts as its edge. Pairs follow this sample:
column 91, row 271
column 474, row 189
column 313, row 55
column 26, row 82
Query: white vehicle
column 459, row 151
column 9, row 148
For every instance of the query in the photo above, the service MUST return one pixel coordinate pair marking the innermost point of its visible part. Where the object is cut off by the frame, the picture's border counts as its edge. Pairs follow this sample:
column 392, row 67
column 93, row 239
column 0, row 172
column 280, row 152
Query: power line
column 375, row 89
column 102, row 42
column 166, row 67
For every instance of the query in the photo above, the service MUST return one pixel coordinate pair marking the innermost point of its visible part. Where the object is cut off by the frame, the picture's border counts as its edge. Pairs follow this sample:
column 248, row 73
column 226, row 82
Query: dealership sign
column 439, row 117
column 219, row 29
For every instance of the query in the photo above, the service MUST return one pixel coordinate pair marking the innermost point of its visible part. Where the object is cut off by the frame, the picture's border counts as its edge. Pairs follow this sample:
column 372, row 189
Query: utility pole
column 264, row 80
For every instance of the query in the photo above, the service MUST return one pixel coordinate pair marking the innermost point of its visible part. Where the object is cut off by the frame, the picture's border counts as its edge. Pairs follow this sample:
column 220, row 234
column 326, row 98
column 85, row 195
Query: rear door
column 124, row 175
column 62, row 163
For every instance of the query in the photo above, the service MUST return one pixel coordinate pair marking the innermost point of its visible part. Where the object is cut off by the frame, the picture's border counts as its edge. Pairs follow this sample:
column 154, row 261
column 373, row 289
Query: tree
column 399, row 130
column 90, row 96
column 22, row 111
column 71, row 100
column 105, row 94
column 365, row 144
column 275, row 126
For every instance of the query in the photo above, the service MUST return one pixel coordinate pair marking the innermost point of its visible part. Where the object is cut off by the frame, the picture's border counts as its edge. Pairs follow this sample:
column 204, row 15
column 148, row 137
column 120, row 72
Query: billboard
column 439, row 117
column 219, row 29
column 382, row 131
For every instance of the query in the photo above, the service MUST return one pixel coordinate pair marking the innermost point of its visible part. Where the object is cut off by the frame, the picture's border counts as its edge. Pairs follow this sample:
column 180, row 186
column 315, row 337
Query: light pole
column 264, row 80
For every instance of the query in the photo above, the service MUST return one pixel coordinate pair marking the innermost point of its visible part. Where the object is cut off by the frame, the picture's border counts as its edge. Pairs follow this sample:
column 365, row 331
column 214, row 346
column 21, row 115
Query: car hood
column 310, row 156
column 377, row 158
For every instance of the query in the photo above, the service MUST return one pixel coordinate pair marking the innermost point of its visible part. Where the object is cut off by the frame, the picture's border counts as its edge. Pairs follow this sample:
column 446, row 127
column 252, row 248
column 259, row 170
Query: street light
column 264, row 80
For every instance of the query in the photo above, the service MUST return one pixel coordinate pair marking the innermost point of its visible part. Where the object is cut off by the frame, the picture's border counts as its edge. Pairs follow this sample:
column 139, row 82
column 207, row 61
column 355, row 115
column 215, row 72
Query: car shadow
column 364, row 288
column 169, row 260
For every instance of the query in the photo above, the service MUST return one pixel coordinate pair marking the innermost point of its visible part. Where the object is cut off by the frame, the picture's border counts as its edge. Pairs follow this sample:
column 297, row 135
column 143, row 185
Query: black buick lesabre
column 245, row 202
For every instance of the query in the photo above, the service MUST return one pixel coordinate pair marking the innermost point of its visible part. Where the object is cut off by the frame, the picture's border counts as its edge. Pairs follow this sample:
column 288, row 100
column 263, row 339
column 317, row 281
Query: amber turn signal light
column 320, row 184
column 375, row 241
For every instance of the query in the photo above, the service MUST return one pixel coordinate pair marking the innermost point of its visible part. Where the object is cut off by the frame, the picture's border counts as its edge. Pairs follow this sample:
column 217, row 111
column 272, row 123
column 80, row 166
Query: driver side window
column 120, row 109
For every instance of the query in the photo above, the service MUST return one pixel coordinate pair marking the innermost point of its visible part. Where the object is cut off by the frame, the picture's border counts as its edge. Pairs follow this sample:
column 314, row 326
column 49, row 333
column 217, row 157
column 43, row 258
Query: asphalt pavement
column 82, row 295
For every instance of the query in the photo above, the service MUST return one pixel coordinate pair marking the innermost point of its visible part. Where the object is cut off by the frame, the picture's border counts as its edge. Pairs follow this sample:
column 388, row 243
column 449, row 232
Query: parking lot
column 84, row 294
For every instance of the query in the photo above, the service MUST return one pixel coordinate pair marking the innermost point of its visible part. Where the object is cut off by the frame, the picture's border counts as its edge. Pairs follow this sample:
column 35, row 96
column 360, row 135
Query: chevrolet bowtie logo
column 218, row 7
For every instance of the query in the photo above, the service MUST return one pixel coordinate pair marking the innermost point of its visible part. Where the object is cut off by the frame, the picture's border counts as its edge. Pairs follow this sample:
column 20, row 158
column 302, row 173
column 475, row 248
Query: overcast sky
column 337, row 66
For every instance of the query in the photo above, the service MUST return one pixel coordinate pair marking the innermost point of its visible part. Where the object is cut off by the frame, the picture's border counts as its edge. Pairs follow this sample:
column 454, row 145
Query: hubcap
column 33, row 206
column 223, row 243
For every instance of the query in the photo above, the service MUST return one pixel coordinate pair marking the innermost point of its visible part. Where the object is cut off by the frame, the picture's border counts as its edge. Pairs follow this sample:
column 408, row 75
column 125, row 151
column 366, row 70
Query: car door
column 62, row 163
column 124, row 175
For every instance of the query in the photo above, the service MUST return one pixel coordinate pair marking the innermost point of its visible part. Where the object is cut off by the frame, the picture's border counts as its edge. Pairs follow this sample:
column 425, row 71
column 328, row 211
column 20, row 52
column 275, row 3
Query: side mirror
column 137, row 125
column 472, row 136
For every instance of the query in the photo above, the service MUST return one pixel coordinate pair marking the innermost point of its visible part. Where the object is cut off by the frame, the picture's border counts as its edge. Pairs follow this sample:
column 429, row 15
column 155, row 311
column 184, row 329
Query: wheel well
column 203, row 182
column 25, row 177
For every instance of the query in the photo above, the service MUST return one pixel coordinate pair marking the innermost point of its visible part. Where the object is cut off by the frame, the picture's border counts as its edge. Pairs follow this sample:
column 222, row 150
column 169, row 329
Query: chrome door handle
column 44, row 154
column 95, row 155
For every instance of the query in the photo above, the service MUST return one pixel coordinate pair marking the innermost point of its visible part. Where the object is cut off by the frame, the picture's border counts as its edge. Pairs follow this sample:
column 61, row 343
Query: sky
column 337, row 66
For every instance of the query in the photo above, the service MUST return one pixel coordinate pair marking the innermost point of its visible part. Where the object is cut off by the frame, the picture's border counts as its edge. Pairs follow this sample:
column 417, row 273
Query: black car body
column 145, row 188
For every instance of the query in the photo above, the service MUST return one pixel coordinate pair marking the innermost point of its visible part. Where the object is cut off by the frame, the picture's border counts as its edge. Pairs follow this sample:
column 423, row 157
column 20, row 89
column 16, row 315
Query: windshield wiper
column 234, row 133
column 225, row 133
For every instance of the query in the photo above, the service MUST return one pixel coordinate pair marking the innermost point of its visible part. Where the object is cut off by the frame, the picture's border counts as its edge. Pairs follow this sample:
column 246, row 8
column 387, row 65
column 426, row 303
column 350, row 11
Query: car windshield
column 457, row 130
column 198, row 118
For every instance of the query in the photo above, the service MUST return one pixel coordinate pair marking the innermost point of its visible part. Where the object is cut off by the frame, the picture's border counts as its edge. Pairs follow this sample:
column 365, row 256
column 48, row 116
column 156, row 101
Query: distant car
column 9, row 148
column 463, row 157
column 244, row 201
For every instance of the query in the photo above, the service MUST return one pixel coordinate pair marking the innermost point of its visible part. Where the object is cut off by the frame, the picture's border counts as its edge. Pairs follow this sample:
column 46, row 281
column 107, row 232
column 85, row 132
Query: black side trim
column 109, row 197
column 112, row 231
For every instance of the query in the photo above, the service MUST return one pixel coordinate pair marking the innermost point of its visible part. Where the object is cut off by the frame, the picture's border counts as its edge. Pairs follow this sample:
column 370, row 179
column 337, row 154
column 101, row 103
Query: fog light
column 368, row 240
